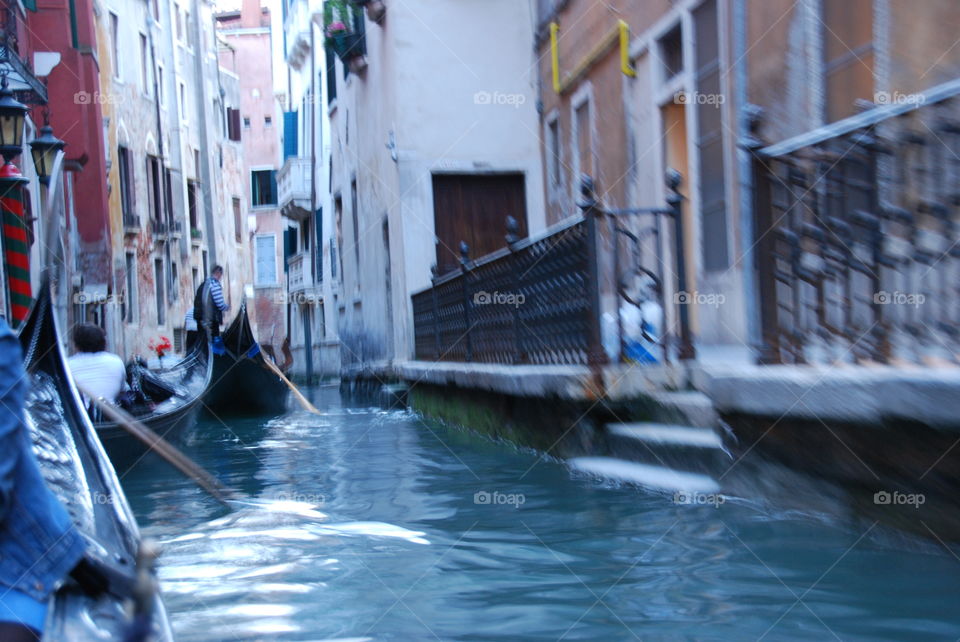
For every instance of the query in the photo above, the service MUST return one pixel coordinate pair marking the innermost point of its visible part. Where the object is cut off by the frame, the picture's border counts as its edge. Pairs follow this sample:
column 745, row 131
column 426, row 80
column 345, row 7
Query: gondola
column 242, row 381
column 167, row 400
column 77, row 470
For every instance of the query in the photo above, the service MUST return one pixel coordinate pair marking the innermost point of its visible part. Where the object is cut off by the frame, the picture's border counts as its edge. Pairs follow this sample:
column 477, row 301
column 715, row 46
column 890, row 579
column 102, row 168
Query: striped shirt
column 216, row 291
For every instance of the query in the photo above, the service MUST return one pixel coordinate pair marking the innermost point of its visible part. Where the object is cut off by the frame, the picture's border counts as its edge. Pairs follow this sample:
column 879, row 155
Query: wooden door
column 474, row 208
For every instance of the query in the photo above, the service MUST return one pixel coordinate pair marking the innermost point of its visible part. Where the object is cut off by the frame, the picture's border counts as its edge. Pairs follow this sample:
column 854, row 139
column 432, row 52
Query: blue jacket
column 38, row 543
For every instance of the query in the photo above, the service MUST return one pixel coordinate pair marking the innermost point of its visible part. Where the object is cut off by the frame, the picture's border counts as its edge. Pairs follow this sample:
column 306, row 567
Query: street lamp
column 45, row 149
column 12, row 114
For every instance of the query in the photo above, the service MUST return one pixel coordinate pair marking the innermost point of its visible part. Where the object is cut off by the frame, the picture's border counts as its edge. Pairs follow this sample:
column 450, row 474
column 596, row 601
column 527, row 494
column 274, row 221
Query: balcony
column 293, row 188
column 300, row 282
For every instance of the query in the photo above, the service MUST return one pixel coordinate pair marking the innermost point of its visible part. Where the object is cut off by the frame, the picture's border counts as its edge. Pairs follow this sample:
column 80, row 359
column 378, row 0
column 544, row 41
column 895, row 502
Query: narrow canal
column 368, row 524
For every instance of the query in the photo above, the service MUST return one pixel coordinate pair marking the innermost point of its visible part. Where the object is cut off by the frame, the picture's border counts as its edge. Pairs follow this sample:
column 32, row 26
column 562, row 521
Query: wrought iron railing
column 858, row 236
column 551, row 299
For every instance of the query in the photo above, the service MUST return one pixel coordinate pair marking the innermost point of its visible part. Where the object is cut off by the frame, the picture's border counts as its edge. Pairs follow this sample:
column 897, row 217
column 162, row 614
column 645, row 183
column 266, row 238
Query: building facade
column 173, row 169
column 630, row 90
column 305, row 202
column 434, row 142
column 245, row 51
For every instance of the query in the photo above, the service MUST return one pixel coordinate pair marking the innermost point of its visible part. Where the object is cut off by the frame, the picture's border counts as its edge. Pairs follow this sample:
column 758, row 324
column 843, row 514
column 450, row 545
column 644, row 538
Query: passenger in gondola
column 93, row 368
column 209, row 304
column 190, row 327
column 39, row 546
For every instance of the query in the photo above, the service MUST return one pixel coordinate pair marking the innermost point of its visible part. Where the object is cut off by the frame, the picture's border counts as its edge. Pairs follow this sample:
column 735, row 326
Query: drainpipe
column 204, row 137
column 307, row 330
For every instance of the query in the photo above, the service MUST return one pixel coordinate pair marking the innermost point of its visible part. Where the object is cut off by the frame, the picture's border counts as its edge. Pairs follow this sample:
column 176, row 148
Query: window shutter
column 289, row 134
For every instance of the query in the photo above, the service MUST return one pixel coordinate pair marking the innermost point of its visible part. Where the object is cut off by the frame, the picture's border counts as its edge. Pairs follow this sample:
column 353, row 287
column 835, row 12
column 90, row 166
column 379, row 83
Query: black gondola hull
column 242, row 383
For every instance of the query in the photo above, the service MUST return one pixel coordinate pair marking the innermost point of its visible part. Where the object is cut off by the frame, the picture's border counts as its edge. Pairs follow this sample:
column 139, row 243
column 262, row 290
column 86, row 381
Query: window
column 266, row 259
column 267, row 121
column 318, row 245
column 183, row 102
column 188, row 29
column 178, row 16
column 158, row 280
column 671, row 52
column 174, row 285
column 196, row 163
column 155, row 5
column 115, row 43
column 192, row 206
column 130, row 300
column 246, row 122
column 127, row 187
column 331, row 75
column 233, row 123
column 582, row 138
column 237, row 219
column 154, row 193
column 160, row 85
column 144, row 65
column 167, row 195
column 263, row 192
column 554, row 168
column 848, row 55
column 356, row 222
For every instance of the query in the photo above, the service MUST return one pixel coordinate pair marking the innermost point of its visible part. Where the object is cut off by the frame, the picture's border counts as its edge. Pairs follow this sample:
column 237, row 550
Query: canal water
column 372, row 524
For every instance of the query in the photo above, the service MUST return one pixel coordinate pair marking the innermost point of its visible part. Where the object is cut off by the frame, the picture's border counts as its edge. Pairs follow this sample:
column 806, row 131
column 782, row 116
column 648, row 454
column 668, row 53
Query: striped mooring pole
column 16, row 245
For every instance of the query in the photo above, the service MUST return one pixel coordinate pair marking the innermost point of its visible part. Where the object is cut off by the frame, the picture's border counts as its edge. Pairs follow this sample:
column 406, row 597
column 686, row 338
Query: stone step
column 687, row 407
column 685, row 448
column 654, row 477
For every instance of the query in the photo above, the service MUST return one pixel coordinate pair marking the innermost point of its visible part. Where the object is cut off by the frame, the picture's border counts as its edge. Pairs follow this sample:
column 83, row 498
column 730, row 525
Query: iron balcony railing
column 858, row 235
column 557, row 298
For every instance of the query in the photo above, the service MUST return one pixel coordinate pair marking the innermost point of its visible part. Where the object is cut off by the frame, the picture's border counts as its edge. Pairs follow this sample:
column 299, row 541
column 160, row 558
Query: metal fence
column 548, row 299
column 858, row 251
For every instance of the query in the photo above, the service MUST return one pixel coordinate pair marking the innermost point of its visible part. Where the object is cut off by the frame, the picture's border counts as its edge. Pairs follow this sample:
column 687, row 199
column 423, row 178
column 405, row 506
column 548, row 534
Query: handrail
column 859, row 121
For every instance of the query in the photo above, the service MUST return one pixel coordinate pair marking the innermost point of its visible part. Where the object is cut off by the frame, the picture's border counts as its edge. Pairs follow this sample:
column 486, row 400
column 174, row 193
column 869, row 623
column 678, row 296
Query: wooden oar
column 309, row 407
column 159, row 445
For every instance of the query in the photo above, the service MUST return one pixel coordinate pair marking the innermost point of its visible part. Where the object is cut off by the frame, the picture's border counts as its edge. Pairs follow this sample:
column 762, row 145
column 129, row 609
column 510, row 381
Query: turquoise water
column 367, row 524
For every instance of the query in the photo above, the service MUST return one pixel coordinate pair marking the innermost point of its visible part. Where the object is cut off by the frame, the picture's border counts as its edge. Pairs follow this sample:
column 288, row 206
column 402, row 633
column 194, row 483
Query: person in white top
column 93, row 368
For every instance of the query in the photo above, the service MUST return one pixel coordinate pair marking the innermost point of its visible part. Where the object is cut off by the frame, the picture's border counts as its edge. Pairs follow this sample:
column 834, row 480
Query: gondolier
column 209, row 304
